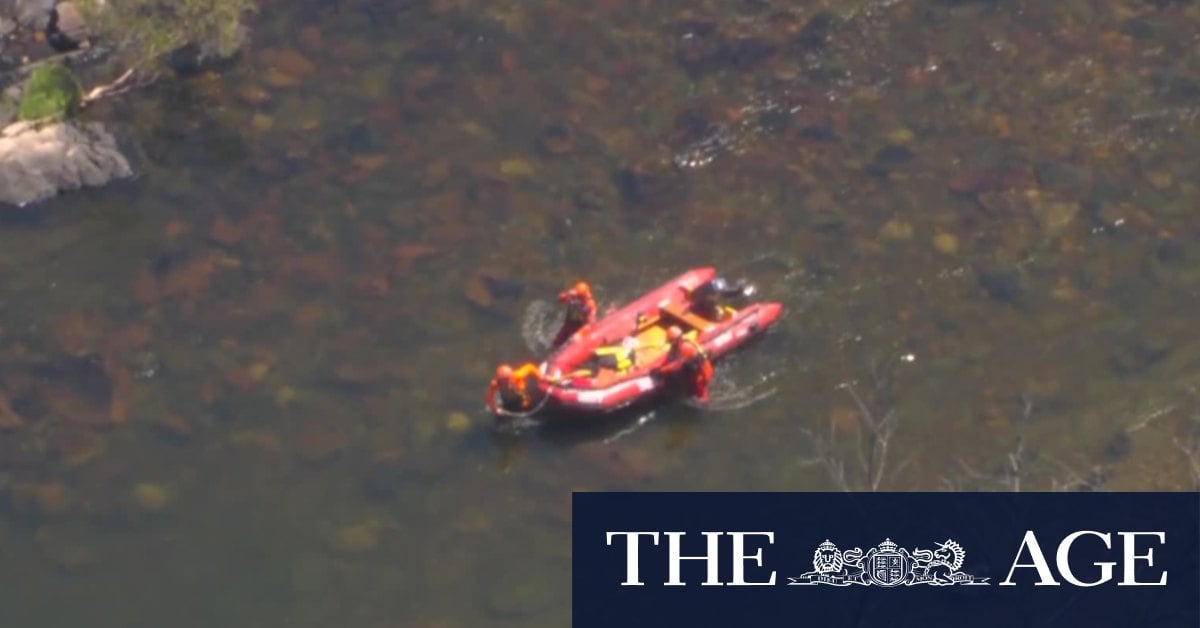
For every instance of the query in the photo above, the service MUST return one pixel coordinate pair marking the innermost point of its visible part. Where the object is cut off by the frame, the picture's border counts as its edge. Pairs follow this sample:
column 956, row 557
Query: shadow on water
column 741, row 380
column 569, row 431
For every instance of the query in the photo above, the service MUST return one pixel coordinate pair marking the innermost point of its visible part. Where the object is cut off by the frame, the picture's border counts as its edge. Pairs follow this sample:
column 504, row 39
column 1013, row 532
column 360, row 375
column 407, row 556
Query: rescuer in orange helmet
column 688, row 358
column 513, row 386
column 581, row 311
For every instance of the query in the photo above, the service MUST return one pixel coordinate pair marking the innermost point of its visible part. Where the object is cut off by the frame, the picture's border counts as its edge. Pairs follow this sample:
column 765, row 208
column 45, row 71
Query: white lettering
column 710, row 558
column 1131, row 558
column 1030, row 542
column 631, row 554
column 739, row 558
column 1064, row 558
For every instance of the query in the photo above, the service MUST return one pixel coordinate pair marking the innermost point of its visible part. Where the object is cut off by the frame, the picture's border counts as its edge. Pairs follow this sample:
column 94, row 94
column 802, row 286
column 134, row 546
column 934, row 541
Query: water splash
column 539, row 326
column 637, row 424
column 752, row 120
column 514, row 426
column 727, row 394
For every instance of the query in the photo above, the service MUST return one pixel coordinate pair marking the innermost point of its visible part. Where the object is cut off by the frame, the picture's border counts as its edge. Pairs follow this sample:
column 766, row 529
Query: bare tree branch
column 872, row 439
column 1146, row 419
column 122, row 84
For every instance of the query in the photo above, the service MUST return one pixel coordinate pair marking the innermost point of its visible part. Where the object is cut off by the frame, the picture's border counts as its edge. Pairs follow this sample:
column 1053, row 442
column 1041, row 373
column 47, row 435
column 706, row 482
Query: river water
column 246, row 388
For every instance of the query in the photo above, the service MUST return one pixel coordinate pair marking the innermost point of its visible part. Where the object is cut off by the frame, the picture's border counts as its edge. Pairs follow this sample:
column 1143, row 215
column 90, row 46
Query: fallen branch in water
column 122, row 84
column 132, row 78
column 1022, row 465
column 872, row 455
column 1187, row 432
column 873, row 436
column 1189, row 446
column 1093, row 481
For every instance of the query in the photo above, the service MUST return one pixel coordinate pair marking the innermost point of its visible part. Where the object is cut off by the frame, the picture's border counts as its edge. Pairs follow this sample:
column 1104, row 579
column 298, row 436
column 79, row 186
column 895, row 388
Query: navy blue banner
column 886, row 559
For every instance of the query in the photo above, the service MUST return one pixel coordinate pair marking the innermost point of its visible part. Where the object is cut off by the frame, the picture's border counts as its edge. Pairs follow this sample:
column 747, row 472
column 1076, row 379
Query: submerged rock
column 38, row 162
column 29, row 13
column 1138, row 355
column 151, row 496
column 644, row 185
column 9, row 419
column 888, row 159
column 358, row 537
column 519, row 597
column 1004, row 286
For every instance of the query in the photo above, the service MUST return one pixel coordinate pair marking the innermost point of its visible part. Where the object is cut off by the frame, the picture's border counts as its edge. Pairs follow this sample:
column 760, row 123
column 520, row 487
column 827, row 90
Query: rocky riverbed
column 46, row 46
column 256, row 375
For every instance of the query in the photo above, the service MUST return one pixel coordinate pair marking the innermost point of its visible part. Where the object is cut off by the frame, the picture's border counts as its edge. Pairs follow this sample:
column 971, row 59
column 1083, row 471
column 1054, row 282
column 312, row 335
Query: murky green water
column 251, row 381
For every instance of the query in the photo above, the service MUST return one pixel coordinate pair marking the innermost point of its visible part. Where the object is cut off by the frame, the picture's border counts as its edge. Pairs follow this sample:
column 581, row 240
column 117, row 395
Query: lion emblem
column 827, row 559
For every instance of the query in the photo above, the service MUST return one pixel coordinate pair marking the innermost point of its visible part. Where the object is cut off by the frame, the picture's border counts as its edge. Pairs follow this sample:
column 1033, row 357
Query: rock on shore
column 30, row 13
column 39, row 161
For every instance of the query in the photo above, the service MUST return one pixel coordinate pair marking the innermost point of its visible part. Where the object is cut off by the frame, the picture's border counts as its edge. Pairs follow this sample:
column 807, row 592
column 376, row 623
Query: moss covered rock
column 53, row 92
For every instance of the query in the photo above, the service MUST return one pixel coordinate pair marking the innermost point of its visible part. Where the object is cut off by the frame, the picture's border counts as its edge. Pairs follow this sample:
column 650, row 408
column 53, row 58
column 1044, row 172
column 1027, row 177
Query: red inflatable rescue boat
column 612, row 363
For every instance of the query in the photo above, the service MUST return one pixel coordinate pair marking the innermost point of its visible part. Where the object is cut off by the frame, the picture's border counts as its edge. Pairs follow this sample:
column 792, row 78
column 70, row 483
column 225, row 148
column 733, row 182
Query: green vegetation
column 53, row 92
column 144, row 32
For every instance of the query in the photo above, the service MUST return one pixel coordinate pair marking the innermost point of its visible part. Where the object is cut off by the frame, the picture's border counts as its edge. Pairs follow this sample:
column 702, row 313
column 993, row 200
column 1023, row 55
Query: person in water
column 687, row 359
column 513, row 386
column 708, row 298
column 581, row 311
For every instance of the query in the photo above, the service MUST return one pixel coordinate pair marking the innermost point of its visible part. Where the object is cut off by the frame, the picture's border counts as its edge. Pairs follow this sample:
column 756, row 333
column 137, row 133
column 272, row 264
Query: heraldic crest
column 888, row 565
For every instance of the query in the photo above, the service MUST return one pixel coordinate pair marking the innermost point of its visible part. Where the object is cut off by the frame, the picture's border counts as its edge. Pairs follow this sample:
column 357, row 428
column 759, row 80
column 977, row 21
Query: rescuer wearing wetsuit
column 513, row 386
column 581, row 311
column 687, row 359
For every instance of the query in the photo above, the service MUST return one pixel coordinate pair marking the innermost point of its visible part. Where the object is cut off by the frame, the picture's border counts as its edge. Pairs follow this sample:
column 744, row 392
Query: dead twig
column 1187, row 437
column 873, row 453
column 1150, row 417
column 826, row 457
column 1023, row 464
column 124, row 83
column 1189, row 446
column 1191, row 451
column 1093, row 481
column 871, row 446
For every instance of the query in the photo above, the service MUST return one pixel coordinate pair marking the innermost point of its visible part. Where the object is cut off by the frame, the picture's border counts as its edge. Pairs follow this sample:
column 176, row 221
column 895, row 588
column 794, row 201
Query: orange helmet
column 674, row 332
column 504, row 371
column 583, row 289
column 688, row 350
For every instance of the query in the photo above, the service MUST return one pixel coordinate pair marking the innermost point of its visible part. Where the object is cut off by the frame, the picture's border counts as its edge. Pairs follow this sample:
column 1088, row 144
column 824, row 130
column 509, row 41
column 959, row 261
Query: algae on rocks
column 53, row 93
column 145, row 32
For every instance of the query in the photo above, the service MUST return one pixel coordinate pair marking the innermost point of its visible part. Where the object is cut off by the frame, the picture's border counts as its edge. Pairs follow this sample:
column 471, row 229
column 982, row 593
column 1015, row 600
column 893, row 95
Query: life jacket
column 615, row 357
column 690, row 338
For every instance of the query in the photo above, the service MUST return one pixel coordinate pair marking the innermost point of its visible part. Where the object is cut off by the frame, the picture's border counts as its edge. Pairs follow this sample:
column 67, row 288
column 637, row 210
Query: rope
column 532, row 411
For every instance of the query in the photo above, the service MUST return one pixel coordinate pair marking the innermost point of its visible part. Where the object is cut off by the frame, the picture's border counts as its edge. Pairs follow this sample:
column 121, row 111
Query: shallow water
column 979, row 216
